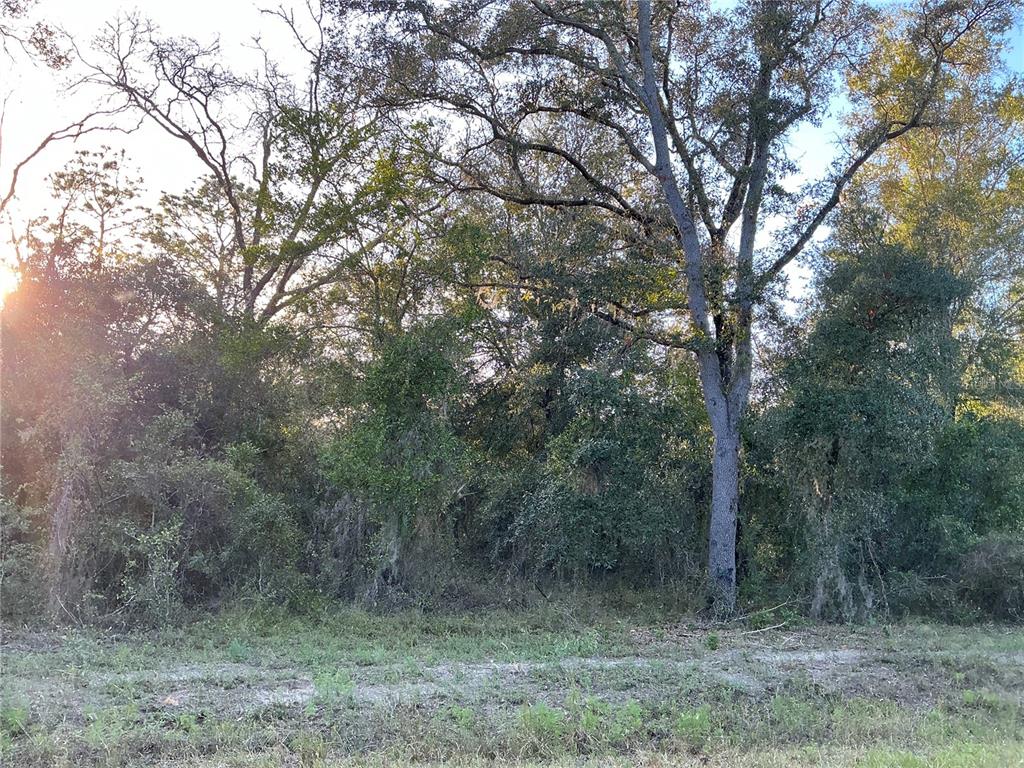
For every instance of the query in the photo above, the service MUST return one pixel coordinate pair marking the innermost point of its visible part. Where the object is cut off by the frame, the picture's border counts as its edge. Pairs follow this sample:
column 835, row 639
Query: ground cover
column 541, row 687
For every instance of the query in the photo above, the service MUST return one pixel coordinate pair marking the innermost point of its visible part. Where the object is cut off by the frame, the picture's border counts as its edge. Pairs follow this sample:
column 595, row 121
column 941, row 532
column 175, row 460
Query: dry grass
column 513, row 689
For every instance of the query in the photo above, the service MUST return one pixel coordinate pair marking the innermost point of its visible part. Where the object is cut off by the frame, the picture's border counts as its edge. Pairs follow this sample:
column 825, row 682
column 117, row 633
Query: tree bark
column 724, row 400
column 725, row 478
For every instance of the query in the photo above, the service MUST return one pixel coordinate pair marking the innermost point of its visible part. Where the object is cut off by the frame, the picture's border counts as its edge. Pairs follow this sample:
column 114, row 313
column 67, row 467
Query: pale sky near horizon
column 36, row 103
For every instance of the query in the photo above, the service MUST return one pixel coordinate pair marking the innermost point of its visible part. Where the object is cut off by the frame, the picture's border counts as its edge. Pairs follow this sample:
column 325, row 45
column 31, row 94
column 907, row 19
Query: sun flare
column 8, row 280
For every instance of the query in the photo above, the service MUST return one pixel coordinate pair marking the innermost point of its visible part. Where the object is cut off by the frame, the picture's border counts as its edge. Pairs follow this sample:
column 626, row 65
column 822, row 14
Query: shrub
column 400, row 465
column 21, row 560
column 693, row 726
column 615, row 491
column 992, row 576
column 915, row 594
column 150, row 582
column 544, row 726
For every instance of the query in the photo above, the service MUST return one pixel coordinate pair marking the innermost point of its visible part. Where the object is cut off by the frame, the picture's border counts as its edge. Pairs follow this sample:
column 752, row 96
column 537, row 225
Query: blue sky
column 1015, row 55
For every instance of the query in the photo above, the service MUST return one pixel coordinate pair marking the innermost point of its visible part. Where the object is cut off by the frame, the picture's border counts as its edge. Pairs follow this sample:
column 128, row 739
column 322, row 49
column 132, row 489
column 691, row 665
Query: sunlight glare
column 8, row 280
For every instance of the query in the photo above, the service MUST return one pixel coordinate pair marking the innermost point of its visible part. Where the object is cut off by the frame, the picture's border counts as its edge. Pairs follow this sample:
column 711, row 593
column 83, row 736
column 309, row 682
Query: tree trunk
column 65, row 581
column 725, row 492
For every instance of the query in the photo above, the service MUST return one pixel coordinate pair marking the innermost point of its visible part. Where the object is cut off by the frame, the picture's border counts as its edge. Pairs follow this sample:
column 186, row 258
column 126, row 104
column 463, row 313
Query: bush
column 992, row 576
column 21, row 560
column 149, row 584
column 616, row 491
column 914, row 594
column 399, row 467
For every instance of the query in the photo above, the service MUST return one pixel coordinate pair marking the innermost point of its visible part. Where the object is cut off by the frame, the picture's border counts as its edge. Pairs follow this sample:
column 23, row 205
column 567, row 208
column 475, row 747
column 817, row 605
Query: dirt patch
column 830, row 658
column 758, row 668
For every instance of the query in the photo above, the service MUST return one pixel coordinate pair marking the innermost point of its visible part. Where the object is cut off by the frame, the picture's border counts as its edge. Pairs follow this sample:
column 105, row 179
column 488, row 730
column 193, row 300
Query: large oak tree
column 542, row 99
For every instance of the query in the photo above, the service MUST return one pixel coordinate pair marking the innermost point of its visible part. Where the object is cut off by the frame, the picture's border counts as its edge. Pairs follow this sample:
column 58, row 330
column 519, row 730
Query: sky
column 37, row 102
column 37, row 99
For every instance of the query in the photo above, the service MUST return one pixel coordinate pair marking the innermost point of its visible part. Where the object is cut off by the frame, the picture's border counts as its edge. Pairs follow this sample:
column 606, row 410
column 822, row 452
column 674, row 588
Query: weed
column 14, row 720
column 888, row 759
column 110, row 725
column 463, row 717
column 627, row 721
column 797, row 719
column 598, row 723
column 592, row 717
column 693, row 726
column 367, row 657
column 310, row 748
column 187, row 722
column 333, row 687
column 238, row 651
column 985, row 700
column 543, row 726
column 860, row 720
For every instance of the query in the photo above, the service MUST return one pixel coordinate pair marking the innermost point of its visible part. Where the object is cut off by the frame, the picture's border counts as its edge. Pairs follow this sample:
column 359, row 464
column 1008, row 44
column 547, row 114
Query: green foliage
column 333, row 687
column 198, row 522
column 868, row 434
column 238, row 651
column 14, row 720
column 400, row 459
column 338, row 382
column 992, row 575
column 150, row 578
column 694, row 726
column 464, row 717
column 615, row 490
column 627, row 721
column 543, row 726
column 587, row 723
column 21, row 559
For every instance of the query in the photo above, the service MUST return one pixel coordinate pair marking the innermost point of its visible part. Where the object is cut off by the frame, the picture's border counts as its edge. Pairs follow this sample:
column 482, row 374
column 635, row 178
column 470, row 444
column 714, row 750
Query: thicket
column 160, row 458
column 454, row 413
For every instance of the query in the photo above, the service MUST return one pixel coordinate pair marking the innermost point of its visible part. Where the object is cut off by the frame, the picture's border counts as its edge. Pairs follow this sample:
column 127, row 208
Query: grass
column 548, row 687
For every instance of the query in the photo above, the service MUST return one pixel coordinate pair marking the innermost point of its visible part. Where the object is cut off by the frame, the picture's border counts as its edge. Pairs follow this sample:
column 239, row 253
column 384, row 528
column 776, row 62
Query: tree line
column 496, row 294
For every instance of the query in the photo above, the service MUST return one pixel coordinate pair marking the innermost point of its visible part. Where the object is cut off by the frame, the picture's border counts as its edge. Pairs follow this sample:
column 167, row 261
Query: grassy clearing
column 545, row 687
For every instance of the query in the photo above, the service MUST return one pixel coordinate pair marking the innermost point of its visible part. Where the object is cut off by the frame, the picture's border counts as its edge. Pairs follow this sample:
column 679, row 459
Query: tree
column 130, row 417
column 700, row 101
column 955, row 192
column 298, row 177
column 34, row 37
column 38, row 41
column 908, row 340
column 877, row 372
